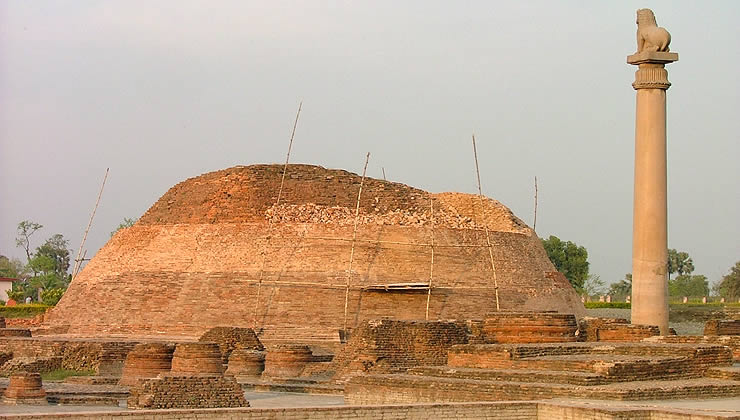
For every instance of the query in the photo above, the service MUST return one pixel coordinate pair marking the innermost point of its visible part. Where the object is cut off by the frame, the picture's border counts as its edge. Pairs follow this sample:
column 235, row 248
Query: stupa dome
column 215, row 250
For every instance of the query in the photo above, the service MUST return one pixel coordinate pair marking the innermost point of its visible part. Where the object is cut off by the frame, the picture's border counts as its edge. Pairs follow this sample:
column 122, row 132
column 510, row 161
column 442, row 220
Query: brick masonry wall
column 733, row 342
column 722, row 327
column 181, row 391
column 103, row 356
column 193, row 262
column 390, row 346
column 230, row 339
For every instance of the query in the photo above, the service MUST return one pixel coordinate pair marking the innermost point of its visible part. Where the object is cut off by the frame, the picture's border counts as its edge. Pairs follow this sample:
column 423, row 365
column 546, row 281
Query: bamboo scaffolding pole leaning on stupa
column 79, row 258
column 485, row 225
column 269, row 221
column 354, row 237
column 534, row 224
column 431, row 265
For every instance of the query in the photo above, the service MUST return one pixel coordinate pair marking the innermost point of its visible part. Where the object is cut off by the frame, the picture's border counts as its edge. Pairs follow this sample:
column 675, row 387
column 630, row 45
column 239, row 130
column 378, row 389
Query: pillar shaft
column 650, row 216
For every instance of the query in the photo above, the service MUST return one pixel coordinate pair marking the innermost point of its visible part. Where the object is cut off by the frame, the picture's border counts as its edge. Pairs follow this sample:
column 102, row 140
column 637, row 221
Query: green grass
column 23, row 310
column 61, row 374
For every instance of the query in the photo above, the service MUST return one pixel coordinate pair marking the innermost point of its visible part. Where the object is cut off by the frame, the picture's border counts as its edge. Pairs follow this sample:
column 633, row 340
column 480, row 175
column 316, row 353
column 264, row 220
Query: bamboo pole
column 78, row 260
column 485, row 225
column 354, row 236
column 534, row 224
column 269, row 221
column 431, row 265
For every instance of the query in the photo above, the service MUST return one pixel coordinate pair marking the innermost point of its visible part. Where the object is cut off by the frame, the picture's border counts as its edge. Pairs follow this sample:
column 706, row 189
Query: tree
column 568, row 258
column 729, row 287
column 593, row 285
column 689, row 285
column 56, row 249
column 127, row 223
column 679, row 262
column 622, row 287
column 12, row 268
column 46, row 276
column 47, row 265
column 26, row 228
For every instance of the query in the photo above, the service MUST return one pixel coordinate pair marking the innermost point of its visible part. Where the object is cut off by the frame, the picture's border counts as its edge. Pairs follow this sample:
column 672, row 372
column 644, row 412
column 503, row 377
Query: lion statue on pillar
column 651, row 37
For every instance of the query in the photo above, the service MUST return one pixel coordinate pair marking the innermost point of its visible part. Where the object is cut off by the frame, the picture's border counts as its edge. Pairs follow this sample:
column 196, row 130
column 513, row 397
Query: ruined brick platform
column 208, row 236
column 608, row 371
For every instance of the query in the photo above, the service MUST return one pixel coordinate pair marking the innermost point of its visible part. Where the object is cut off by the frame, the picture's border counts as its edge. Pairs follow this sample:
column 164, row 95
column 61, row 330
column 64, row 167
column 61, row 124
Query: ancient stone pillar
column 650, row 227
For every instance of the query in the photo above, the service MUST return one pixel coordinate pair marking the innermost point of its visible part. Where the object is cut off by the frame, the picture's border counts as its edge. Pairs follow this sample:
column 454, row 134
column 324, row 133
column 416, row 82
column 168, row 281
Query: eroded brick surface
column 390, row 346
column 200, row 257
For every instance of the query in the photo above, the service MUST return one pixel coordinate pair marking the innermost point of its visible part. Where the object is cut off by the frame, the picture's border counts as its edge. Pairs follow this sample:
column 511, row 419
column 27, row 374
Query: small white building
column 6, row 283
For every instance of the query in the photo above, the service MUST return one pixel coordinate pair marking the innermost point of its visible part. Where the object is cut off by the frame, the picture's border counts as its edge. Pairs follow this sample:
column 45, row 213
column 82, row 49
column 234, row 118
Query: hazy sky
column 163, row 91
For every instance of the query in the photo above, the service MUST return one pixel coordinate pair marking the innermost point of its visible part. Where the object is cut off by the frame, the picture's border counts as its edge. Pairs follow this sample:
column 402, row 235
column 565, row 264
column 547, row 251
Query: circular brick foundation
column 245, row 362
column 286, row 360
column 25, row 388
column 197, row 359
column 146, row 361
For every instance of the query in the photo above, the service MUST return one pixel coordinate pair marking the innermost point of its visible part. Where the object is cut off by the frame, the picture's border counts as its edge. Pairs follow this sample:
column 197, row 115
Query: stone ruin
column 215, row 250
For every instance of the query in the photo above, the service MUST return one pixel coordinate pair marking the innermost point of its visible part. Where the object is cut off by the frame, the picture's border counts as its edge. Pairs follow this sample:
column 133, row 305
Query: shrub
column 16, row 295
column 23, row 310
column 51, row 296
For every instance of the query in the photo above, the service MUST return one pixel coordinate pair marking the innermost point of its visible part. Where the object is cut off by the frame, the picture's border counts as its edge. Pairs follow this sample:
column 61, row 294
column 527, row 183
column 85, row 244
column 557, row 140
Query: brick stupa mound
column 215, row 250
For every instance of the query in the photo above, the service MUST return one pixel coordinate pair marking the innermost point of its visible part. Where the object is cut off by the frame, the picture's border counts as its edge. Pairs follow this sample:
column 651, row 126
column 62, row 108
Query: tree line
column 572, row 260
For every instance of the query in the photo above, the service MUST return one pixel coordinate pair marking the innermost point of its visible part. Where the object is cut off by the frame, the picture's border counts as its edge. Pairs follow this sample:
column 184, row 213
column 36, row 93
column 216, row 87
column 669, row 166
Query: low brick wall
column 102, row 356
column 722, row 327
column 626, row 332
column 390, row 346
column 170, row 391
column 731, row 341
column 530, row 327
column 487, row 410
column 30, row 364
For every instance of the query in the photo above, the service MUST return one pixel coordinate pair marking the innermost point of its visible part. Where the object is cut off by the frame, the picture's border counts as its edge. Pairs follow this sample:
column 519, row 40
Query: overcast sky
column 166, row 90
